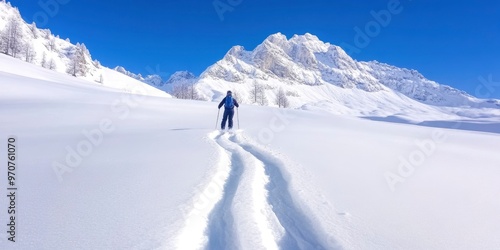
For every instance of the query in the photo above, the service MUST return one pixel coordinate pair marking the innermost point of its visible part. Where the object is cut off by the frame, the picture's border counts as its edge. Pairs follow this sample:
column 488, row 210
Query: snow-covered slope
column 103, row 169
column 41, row 47
column 314, row 73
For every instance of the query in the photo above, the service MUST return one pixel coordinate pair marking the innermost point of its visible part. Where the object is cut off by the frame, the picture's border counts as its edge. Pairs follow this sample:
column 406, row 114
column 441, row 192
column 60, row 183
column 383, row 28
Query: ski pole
column 238, row 116
column 216, row 121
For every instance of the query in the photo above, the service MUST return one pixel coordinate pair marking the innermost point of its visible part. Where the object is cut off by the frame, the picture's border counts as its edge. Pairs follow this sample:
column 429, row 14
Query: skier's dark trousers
column 229, row 103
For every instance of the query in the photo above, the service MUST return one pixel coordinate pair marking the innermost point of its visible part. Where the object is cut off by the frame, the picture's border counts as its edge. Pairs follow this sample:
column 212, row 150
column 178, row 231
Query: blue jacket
column 224, row 101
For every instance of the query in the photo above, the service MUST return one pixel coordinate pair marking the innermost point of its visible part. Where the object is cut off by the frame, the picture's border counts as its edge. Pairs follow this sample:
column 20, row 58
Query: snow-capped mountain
column 315, row 73
column 414, row 85
column 177, row 78
column 318, row 75
column 40, row 47
column 153, row 80
column 181, row 77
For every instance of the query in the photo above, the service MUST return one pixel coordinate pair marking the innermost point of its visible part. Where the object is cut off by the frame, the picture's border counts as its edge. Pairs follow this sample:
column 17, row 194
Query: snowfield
column 99, row 168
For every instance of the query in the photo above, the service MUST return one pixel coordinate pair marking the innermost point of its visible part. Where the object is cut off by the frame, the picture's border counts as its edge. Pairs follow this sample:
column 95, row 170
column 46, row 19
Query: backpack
column 229, row 102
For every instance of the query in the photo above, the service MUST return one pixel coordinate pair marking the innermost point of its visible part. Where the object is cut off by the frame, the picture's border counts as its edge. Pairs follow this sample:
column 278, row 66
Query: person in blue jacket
column 229, row 103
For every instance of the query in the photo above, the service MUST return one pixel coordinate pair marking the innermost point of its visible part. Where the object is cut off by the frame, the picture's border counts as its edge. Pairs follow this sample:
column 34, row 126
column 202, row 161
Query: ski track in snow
column 256, row 209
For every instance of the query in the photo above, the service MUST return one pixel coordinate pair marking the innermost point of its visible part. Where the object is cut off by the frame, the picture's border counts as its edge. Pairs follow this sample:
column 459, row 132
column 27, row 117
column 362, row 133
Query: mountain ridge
column 307, row 60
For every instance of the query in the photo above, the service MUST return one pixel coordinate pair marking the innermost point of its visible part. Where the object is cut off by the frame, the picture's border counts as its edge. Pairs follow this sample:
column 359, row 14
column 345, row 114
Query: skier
column 229, row 102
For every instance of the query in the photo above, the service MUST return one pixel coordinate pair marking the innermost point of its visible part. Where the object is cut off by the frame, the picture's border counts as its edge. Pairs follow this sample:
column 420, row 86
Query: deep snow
column 102, row 169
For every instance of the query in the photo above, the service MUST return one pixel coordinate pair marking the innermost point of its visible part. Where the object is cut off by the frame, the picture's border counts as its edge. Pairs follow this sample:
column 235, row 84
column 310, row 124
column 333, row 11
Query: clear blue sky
column 451, row 42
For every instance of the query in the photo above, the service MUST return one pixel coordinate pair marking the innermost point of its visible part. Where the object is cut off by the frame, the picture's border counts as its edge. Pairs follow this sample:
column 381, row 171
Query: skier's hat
column 229, row 92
